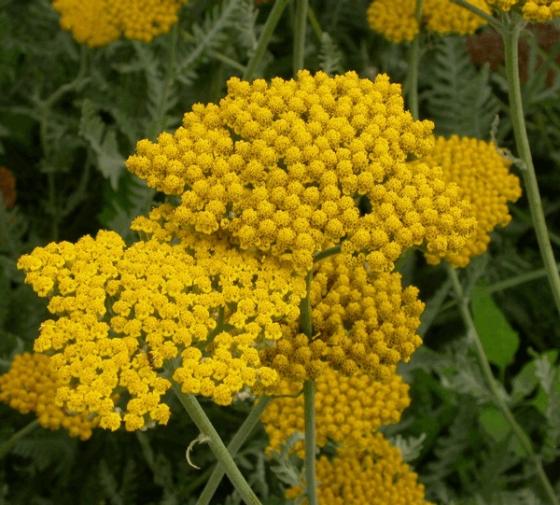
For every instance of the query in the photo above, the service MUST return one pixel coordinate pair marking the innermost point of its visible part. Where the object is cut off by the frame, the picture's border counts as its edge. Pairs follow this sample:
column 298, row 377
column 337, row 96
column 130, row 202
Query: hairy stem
column 518, row 431
column 414, row 63
column 264, row 39
column 199, row 417
column 300, row 28
column 7, row 446
column 236, row 443
column 510, row 37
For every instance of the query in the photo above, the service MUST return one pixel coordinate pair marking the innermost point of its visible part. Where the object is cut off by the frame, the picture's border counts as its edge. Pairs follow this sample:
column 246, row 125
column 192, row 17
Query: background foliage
column 69, row 116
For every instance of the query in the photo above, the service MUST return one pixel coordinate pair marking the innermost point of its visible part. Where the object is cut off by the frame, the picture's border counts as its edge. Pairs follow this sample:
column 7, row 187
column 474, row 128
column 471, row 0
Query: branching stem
column 199, row 417
column 496, row 392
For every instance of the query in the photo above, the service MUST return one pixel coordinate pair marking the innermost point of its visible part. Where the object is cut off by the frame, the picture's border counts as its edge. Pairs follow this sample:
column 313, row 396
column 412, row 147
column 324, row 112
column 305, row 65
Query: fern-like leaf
column 459, row 97
column 330, row 56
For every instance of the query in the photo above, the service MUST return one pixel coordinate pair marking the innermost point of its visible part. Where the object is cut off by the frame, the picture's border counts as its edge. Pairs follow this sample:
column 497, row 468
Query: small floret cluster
column 376, row 475
column 348, row 409
column 396, row 19
column 30, row 386
column 361, row 322
column 100, row 22
column 124, row 313
column 483, row 175
column 533, row 10
column 281, row 167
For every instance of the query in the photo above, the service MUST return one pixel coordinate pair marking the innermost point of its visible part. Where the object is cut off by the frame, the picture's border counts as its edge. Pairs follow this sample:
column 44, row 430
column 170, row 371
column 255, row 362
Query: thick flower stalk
column 376, row 475
column 31, row 385
column 128, row 317
column 281, row 167
column 533, row 10
column 348, row 409
column 361, row 322
column 396, row 19
column 483, row 175
column 100, row 22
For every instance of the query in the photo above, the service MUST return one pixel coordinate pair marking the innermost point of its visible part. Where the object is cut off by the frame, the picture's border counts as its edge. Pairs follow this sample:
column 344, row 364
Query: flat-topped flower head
column 375, row 475
column 361, row 322
column 396, row 19
column 280, row 167
column 31, row 385
column 483, row 176
column 348, row 410
column 100, row 22
column 533, row 10
column 127, row 318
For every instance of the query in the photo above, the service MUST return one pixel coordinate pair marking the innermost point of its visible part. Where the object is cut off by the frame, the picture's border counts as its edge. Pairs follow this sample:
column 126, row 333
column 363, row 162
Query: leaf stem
column 199, row 417
column 414, row 63
column 7, row 446
column 510, row 36
column 300, row 28
column 236, row 443
column 264, row 39
column 497, row 394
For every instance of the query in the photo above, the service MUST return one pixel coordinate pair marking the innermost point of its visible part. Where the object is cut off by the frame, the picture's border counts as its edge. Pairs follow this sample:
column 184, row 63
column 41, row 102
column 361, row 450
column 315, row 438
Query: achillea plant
column 375, row 475
column 396, row 19
column 483, row 175
column 361, row 322
column 533, row 10
column 281, row 167
column 100, row 22
column 348, row 409
column 129, row 318
column 31, row 385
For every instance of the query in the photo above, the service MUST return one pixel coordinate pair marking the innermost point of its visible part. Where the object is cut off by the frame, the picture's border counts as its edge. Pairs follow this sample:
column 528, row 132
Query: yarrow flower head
column 376, row 475
column 281, row 167
column 396, row 19
column 360, row 322
column 483, row 175
column 100, row 22
column 533, row 10
column 348, row 409
column 127, row 318
column 30, row 386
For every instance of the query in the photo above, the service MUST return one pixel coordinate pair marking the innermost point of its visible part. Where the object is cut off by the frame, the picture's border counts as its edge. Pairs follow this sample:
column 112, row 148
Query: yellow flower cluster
column 100, row 22
column 376, row 475
column 396, row 19
column 541, row 10
column 125, row 313
column 360, row 321
column 533, row 10
column 348, row 409
column 280, row 167
column 485, row 181
column 30, row 386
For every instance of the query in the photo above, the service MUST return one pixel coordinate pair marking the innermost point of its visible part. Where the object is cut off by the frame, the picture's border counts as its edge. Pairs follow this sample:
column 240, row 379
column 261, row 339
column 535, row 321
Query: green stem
column 236, row 443
column 510, row 37
column 496, row 392
column 199, row 417
column 264, row 39
column 491, row 20
column 414, row 63
column 306, row 326
column 314, row 22
column 327, row 253
column 300, row 27
column 517, row 280
column 310, row 441
column 7, row 446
